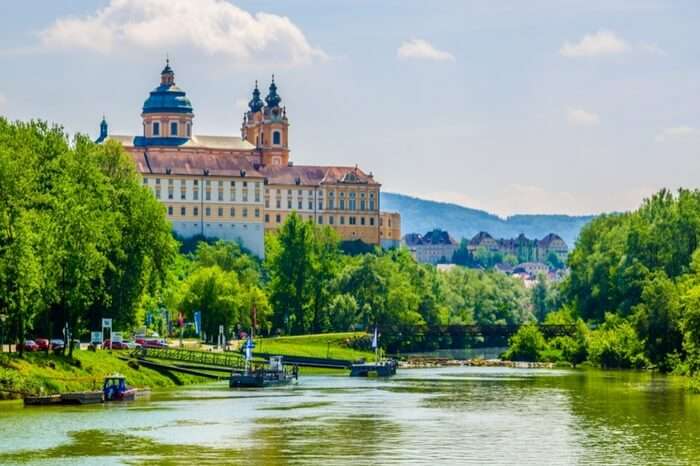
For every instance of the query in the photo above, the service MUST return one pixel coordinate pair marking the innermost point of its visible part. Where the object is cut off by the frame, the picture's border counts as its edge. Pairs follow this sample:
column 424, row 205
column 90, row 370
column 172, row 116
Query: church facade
column 237, row 188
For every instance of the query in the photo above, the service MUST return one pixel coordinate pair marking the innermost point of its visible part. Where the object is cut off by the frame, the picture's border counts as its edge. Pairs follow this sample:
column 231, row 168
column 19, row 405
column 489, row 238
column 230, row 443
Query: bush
column 616, row 345
column 526, row 345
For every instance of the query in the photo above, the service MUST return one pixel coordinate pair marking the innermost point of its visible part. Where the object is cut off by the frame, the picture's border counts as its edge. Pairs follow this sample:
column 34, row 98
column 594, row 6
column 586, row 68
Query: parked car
column 30, row 345
column 132, row 344
column 42, row 343
column 57, row 344
column 117, row 345
column 152, row 343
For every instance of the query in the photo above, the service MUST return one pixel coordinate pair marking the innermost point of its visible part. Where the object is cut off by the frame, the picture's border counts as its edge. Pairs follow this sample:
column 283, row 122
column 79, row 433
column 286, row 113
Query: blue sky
column 513, row 107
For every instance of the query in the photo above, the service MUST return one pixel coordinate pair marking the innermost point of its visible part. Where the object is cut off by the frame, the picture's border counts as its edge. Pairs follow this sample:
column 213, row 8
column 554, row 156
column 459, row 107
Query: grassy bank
column 42, row 373
column 327, row 345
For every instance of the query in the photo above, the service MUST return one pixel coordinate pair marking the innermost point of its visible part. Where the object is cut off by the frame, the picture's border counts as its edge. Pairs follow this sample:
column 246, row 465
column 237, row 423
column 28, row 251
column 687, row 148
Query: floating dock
column 380, row 369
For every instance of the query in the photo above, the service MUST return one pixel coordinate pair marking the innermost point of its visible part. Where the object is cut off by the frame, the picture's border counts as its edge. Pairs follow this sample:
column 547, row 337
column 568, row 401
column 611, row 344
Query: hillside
column 420, row 216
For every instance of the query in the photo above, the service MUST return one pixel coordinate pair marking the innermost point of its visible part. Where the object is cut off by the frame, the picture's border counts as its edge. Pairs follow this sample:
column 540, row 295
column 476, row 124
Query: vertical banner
column 197, row 322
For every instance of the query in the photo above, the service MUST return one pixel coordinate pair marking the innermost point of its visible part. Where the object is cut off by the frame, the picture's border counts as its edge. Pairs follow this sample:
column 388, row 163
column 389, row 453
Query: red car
column 151, row 343
column 42, row 343
column 117, row 345
column 30, row 345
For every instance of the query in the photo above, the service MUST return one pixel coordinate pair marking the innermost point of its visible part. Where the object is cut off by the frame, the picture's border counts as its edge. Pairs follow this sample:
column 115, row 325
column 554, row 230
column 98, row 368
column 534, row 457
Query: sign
column 117, row 337
column 107, row 323
column 96, row 338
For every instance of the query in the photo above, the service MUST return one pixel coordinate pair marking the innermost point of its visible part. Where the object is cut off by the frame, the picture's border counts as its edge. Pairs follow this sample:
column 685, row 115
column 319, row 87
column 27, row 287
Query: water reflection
column 436, row 416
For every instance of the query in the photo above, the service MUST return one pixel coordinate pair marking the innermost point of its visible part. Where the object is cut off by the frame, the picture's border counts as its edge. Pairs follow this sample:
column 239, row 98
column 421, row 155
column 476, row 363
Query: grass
column 327, row 345
column 41, row 373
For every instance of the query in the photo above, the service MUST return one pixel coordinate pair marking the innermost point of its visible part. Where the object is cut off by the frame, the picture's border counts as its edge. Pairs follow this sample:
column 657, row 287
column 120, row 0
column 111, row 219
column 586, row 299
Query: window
column 267, row 218
column 208, row 196
column 189, row 130
column 233, row 192
column 183, row 193
column 342, row 204
column 257, row 213
column 362, row 220
column 245, row 211
column 342, row 220
column 173, row 128
column 362, row 204
column 195, row 195
column 277, row 138
column 320, row 204
column 207, row 211
column 311, row 204
column 331, row 219
column 145, row 181
column 320, row 219
column 245, row 184
column 289, row 203
column 220, row 212
column 245, row 195
column 257, row 195
column 158, row 192
column 156, row 128
column 195, row 211
column 371, row 204
column 351, row 202
column 331, row 203
column 278, row 218
column 233, row 211
column 170, row 210
column 183, row 211
column 196, row 182
column 233, row 184
column 221, row 195
column 299, row 204
column 267, row 203
column 170, row 193
column 371, row 221
column 352, row 221
column 278, row 204
column 157, row 180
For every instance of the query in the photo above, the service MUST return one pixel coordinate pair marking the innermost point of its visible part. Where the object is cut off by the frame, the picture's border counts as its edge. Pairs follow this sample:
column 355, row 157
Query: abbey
column 237, row 188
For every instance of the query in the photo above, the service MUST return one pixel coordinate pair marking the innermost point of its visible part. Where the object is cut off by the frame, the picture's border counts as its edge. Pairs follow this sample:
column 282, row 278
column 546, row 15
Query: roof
column 435, row 237
column 195, row 142
column 311, row 175
column 167, row 98
column 479, row 237
column 194, row 164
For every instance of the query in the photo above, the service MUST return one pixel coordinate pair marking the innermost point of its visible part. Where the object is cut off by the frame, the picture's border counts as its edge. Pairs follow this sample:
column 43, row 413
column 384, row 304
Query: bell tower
column 265, row 126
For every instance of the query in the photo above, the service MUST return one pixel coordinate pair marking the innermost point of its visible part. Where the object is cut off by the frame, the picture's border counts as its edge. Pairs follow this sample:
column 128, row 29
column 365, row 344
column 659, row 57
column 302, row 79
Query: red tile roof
column 191, row 164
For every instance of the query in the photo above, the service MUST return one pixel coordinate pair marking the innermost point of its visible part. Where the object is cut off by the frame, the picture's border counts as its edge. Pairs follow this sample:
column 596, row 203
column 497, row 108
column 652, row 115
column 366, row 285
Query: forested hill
column 420, row 215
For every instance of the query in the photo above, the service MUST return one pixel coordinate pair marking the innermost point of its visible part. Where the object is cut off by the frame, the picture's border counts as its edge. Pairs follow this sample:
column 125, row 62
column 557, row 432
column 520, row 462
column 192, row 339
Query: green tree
column 527, row 344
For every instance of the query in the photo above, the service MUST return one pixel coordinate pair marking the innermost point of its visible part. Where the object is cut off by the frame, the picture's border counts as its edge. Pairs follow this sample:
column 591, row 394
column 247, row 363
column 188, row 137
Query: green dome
column 167, row 98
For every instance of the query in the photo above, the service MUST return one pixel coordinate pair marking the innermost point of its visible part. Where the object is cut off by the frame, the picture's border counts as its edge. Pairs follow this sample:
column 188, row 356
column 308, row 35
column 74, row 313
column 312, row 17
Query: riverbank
column 39, row 373
column 325, row 345
column 426, row 363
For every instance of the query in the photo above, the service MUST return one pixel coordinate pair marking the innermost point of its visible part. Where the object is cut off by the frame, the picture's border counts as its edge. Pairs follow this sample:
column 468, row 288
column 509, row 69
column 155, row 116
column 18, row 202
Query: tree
column 527, row 344
column 289, row 263
column 217, row 295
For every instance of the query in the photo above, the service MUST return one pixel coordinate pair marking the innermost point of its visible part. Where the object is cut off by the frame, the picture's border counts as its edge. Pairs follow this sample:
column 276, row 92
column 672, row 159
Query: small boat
column 274, row 374
column 383, row 368
column 115, row 389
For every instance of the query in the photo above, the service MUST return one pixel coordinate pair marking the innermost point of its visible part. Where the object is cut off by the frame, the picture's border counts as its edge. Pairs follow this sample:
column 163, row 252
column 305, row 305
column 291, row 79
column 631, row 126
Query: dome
column 167, row 98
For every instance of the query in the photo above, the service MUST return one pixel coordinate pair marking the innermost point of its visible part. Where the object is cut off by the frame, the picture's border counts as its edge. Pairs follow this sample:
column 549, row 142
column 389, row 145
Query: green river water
column 422, row 416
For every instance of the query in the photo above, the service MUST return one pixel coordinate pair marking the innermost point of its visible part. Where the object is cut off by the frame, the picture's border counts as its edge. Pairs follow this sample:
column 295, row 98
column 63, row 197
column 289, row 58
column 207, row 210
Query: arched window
column 277, row 138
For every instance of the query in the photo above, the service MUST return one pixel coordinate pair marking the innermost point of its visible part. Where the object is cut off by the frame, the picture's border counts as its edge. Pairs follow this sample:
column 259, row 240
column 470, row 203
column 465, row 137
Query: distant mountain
column 420, row 216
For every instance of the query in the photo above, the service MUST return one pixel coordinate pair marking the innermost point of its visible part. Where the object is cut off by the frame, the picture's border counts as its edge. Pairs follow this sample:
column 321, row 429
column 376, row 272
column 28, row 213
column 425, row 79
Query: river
column 423, row 416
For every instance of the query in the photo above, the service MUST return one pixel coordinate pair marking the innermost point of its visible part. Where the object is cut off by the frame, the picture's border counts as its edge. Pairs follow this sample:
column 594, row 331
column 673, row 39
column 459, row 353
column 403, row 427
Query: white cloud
column 676, row 133
column 580, row 117
column 214, row 27
column 593, row 45
column 419, row 49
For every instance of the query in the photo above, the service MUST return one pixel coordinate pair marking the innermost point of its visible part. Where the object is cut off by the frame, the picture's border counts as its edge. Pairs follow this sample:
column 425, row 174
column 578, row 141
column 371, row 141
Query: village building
column 238, row 187
column 434, row 247
column 521, row 247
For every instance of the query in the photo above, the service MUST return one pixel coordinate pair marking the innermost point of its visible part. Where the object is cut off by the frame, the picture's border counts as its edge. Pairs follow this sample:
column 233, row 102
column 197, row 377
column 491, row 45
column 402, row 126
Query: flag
column 197, row 322
column 375, row 338
column 249, row 349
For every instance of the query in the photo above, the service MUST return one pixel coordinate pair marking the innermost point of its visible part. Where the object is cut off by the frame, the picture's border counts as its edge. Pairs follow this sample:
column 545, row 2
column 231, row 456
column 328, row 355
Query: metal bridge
column 485, row 330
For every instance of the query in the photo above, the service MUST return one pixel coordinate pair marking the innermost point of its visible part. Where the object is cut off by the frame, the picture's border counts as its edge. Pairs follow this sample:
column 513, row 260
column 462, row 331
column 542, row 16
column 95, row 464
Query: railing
column 232, row 360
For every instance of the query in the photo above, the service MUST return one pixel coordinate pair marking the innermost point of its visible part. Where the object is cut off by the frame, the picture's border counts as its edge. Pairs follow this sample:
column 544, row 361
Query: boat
column 262, row 376
column 382, row 367
column 115, row 389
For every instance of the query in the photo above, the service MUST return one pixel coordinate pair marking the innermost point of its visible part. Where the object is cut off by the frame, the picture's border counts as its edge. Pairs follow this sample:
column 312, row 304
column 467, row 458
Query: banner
column 96, row 338
column 117, row 337
column 197, row 322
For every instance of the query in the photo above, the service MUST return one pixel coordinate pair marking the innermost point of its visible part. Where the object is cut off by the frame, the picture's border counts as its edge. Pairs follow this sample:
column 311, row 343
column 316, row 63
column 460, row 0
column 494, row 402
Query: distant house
column 434, row 247
column 523, row 248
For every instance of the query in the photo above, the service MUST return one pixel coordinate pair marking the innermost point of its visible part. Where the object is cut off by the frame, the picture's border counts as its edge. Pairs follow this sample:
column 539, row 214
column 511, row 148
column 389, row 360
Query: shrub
column 616, row 345
column 526, row 345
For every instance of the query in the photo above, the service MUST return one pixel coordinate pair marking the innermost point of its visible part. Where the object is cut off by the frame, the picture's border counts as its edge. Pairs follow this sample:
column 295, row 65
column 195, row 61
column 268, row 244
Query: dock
column 72, row 398
column 379, row 369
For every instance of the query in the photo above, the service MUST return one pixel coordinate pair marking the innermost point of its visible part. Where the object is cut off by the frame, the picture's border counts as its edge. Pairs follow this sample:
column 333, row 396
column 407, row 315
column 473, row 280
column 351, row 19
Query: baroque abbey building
column 237, row 188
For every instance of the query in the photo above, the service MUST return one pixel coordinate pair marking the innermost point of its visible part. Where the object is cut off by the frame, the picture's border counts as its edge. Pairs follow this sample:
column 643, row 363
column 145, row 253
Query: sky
column 574, row 107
